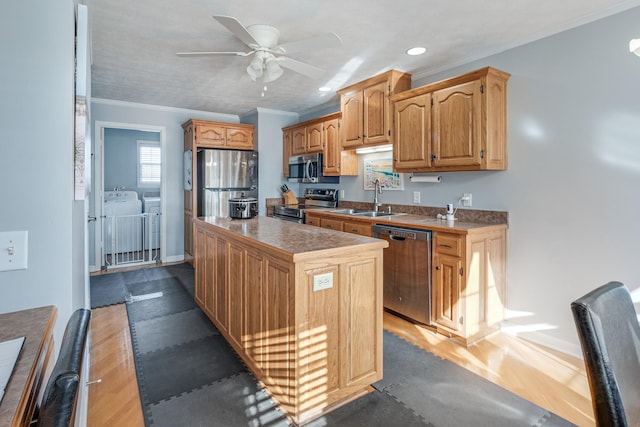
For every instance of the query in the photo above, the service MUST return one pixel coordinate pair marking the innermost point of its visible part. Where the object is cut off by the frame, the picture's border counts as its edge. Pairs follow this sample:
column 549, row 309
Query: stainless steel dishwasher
column 407, row 271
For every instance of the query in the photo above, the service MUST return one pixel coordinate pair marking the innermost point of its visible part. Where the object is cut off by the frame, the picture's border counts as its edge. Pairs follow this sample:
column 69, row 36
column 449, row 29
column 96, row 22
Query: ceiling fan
column 268, row 55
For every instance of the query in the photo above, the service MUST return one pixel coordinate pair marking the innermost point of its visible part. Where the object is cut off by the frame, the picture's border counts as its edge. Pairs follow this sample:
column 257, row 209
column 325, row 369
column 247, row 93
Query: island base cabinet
column 309, row 330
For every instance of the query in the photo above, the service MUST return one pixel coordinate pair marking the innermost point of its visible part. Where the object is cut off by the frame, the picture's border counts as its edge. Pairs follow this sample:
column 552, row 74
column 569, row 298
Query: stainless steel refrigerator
column 223, row 175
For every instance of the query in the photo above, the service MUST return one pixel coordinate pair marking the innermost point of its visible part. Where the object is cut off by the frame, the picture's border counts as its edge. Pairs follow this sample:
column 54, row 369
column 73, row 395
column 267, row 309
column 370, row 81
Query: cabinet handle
column 354, row 230
column 444, row 245
column 437, row 267
column 433, row 157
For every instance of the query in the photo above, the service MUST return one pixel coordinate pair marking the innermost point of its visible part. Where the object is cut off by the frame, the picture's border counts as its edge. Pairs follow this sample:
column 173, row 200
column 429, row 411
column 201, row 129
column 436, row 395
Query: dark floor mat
column 181, row 369
column 234, row 401
column 430, row 385
column 376, row 409
column 165, row 285
column 107, row 289
column 171, row 302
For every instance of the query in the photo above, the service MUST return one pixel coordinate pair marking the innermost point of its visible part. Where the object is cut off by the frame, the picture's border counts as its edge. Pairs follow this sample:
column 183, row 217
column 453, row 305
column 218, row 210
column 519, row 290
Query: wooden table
column 34, row 363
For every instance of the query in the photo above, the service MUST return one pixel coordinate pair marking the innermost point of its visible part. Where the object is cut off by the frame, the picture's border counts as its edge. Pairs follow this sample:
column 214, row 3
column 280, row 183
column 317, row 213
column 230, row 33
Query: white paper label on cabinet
column 322, row 281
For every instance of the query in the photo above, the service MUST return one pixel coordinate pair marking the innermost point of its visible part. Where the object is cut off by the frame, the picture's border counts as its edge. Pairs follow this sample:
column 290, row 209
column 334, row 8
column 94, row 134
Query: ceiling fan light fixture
column 272, row 70
column 255, row 68
column 634, row 46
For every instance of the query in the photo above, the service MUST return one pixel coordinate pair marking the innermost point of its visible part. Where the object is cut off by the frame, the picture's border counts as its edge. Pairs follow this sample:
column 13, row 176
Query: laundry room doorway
column 129, row 198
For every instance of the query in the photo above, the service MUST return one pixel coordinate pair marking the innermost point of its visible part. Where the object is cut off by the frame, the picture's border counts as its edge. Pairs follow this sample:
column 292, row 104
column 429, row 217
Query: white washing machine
column 151, row 206
column 122, row 222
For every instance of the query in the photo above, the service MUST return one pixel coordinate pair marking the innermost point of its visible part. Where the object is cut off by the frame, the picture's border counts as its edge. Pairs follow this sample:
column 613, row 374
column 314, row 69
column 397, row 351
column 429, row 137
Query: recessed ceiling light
column 324, row 89
column 416, row 51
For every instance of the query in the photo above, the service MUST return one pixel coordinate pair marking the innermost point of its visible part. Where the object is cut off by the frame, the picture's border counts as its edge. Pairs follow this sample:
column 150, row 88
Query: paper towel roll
column 431, row 178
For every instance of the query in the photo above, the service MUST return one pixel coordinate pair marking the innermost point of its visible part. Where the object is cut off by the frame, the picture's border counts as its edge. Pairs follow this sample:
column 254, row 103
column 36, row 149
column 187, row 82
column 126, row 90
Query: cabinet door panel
column 253, row 330
column 299, row 138
column 446, row 291
column 236, row 292
column 332, row 147
column 210, row 135
column 376, row 114
column 412, row 144
column 287, row 151
column 352, row 119
column 220, row 289
column 331, row 224
column 315, row 140
column 240, row 138
column 457, row 125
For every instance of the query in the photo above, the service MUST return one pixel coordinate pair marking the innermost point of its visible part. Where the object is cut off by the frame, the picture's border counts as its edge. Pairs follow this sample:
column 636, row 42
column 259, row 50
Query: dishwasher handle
column 397, row 238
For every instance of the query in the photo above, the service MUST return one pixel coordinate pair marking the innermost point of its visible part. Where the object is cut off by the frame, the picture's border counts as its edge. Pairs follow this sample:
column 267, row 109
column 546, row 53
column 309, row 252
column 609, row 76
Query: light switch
column 13, row 250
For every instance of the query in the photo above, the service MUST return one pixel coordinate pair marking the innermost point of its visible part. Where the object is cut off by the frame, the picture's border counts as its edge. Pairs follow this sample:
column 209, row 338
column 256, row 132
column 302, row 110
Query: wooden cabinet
column 287, row 151
column 357, row 227
column 221, row 135
column 320, row 135
column 208, row 134
column 468, row 282
column 271, row 311
column 457, row 124
column 319, row 219
column 366, row 109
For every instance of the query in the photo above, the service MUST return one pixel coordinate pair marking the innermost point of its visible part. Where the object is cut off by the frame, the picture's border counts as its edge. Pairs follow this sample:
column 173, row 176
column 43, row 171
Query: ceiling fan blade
column 239, row 30
column 190, row 54
column 300, row 67
column 312, row 43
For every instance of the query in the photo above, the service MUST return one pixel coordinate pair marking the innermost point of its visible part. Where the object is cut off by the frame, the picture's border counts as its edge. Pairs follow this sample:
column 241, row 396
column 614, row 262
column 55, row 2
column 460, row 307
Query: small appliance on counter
column 243, row 207
column 313, row 198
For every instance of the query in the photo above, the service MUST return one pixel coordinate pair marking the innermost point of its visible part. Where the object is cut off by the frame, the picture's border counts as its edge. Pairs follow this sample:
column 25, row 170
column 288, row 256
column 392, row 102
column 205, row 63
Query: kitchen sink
column 363, row 212
column 350, row 211
column 371, row 214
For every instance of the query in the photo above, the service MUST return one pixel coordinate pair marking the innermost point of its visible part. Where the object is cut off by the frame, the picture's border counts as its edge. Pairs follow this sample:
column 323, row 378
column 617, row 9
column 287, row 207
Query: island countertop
column 299, row 241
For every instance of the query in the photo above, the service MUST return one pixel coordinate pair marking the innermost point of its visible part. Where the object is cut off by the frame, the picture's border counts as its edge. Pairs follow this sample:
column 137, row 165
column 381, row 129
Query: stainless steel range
column 313, row 198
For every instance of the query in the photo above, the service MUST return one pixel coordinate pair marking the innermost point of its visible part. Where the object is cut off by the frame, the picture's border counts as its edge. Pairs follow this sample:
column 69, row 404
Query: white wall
column 36, row 156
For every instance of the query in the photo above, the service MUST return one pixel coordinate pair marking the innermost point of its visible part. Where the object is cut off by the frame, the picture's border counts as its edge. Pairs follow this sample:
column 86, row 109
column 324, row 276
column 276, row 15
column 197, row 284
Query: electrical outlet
column 416, row 197
column 322, row 281
column 466, row 199
column 341, row 194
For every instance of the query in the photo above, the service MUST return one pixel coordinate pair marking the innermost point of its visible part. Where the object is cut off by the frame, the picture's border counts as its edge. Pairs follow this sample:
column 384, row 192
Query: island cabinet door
column 236, row 292
column 204, row 280
column 220, row 284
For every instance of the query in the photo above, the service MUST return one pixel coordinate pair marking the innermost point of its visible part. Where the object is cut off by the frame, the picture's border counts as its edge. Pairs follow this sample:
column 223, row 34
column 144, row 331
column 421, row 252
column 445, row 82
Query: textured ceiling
column 134, row 44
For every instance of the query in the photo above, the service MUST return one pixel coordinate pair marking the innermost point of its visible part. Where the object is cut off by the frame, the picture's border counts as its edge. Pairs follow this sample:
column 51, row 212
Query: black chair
column 61, row 394
column 610, row 337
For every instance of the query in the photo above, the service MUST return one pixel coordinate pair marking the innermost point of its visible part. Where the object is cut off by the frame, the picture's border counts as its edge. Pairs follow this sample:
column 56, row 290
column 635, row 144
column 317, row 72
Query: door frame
column 99, row 128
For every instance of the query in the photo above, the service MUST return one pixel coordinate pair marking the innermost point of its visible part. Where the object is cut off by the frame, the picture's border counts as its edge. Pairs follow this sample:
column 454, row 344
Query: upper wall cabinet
column 366, row 109
column 220, row 135
column 319, row 135
column 458, row 124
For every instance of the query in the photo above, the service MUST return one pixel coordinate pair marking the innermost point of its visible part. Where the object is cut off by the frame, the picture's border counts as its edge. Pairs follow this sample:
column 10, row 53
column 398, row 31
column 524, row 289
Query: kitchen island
column 302, row 306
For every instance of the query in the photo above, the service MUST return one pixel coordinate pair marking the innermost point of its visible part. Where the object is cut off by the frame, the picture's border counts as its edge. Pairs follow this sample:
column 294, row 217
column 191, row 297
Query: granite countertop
column 296, row 240
column 414, row 221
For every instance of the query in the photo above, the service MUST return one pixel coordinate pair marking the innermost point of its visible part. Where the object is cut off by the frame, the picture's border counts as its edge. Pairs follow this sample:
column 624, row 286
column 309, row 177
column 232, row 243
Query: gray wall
column 574, row 165
column 36, row 157
column 121, row 158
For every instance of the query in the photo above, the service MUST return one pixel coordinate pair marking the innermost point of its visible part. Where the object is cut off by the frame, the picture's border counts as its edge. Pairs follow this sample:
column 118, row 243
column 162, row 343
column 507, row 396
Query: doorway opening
column 129, row 198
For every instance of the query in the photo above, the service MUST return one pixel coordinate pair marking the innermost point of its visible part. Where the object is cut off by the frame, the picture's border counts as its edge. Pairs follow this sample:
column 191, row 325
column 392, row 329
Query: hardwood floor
column 548, row 378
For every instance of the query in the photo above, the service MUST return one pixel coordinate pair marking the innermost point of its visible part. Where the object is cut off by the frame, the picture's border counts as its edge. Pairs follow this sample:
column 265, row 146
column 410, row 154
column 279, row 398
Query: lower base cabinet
column 468, row 283
column 313, row 349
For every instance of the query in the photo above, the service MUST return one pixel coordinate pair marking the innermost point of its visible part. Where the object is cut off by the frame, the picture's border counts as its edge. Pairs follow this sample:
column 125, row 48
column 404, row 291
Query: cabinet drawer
column 450, row 244
column 331, row 224
column 312, row 220
column 360, row 228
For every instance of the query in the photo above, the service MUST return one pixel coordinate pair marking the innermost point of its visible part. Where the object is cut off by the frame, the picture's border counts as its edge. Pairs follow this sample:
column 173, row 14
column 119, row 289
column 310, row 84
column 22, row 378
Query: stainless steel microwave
column 308, row 169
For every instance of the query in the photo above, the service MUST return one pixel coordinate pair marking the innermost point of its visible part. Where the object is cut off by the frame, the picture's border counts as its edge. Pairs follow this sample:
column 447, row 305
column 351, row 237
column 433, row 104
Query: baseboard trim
column 515, row 329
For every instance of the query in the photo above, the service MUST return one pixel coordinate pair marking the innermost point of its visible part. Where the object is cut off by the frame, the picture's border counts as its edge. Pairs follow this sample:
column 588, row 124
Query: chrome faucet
column 377, row 190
